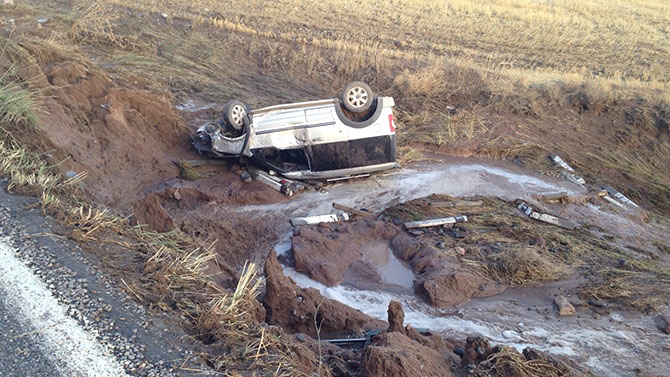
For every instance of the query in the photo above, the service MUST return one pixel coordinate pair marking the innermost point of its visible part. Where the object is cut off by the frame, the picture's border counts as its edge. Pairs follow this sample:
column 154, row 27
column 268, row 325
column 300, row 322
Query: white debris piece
column 332, row 218
column 436, row 222
column 553, row 220
column 613, row 201
column 574, row 178
column 619, row 196
column 560, row 162
column 546, row 217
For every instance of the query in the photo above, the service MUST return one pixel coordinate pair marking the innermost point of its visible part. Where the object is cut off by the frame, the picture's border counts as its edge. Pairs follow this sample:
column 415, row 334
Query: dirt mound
column 394, row 354
column 298, row 309
column 402, row 351
column 125, row 139
column 150, row 212
column 441, row 277
column 326, row 252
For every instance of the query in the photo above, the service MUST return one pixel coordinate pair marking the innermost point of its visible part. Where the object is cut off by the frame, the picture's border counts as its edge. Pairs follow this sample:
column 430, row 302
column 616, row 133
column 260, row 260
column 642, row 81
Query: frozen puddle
column 612, row 345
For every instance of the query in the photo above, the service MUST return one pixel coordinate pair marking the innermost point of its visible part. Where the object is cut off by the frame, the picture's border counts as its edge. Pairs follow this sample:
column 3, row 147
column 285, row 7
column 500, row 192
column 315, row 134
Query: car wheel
column 357, row 97
column 234, row 112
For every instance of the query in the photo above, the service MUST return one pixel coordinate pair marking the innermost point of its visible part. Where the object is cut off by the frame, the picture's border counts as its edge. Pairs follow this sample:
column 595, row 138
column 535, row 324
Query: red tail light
column 391, row 125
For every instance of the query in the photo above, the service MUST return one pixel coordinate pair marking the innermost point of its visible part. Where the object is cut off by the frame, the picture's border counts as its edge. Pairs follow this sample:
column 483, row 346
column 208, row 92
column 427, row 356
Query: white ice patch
column 72, row 349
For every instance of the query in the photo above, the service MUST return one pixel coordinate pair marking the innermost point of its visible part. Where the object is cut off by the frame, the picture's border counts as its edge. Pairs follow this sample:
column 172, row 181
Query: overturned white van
column 350, row 135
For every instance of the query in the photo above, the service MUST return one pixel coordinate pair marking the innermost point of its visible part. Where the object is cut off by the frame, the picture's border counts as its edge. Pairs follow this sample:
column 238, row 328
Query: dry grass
column 526, row 78
column 498, row 245
column 506, row 361
column 175, row 272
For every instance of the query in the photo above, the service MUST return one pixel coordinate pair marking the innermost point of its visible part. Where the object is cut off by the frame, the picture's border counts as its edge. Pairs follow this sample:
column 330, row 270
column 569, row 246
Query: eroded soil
column 494, row 276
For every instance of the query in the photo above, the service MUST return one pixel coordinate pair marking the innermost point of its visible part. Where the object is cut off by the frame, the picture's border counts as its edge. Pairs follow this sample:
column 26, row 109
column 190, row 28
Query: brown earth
column 402, row 351
column 298, row 309
column 125, row 139
column 326, row 252
column 441, row 277
column 329, row 253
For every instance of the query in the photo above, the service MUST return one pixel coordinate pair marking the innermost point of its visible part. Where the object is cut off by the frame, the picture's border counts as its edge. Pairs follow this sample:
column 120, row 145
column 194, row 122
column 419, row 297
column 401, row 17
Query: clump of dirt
column 124, row 139
column 326, row 252
column 301, row 310
column 394, row 354
column 150, row 212
column 441, row 277
column 402, row 351
column 206, row 216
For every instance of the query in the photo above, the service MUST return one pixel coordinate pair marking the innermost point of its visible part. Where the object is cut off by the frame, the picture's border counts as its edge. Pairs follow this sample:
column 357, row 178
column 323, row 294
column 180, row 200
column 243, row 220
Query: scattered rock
column 662, row 321
column 164, row 15
column 476, row 350
column 459, row 250
column 563, row 306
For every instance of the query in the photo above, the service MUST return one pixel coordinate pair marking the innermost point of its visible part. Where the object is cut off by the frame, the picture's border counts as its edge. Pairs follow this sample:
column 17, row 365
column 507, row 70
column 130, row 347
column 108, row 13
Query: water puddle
column 380, row 269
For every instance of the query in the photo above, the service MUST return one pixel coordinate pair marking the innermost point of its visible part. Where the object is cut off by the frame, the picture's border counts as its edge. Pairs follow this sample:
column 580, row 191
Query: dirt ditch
column 495, row 276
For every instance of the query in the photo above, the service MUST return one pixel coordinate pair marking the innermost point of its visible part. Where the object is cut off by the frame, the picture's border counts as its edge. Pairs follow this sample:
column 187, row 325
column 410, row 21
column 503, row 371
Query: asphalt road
column 60, row 315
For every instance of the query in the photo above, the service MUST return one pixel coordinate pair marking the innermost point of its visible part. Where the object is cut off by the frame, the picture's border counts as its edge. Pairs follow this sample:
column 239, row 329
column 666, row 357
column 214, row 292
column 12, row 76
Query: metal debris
column 347, row 177
column 560, row 162
column 436, row 222
column 332, row 218
column 613, row 201
column 574, row 178
column 284, row 186
column 457, row 203
column 353, row 210
column 619, row 196
column 550, row 219
column 554, row 220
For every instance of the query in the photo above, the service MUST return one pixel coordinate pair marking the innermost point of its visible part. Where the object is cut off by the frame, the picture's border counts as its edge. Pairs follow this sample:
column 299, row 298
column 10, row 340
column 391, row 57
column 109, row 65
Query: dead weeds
column 499, row 243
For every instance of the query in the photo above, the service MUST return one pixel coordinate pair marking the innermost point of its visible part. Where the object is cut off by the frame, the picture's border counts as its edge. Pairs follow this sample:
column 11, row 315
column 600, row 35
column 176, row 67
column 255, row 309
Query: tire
column 234, row 112
column 357, row 97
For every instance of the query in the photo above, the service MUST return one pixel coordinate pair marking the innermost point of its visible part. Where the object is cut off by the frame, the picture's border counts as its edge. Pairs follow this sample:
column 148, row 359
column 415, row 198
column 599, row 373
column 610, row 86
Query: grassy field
column 584, row 79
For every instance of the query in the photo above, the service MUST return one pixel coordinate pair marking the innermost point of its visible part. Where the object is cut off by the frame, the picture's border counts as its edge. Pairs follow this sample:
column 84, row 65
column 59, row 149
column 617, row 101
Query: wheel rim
column 357, row 97
column 237, row 115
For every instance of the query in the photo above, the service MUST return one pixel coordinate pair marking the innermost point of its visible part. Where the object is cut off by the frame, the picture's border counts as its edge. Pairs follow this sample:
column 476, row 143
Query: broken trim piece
column 311, row 220
column 550, row 219
column 561, row 163
column 619, row 196
column 436, row 222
